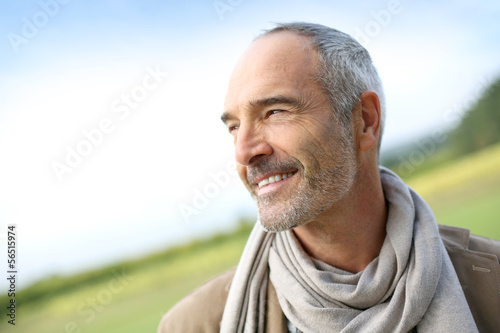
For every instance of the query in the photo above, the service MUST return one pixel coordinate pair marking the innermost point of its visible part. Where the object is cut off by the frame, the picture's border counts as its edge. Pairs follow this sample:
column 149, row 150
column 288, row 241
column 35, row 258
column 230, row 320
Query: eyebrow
column 273, row 100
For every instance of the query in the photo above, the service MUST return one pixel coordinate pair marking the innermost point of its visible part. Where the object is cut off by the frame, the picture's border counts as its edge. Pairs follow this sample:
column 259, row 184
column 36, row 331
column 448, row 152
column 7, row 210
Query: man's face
column 293, row 156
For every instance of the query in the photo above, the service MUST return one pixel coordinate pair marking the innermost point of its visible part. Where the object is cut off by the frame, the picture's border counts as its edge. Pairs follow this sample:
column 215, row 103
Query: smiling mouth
column 275, row 178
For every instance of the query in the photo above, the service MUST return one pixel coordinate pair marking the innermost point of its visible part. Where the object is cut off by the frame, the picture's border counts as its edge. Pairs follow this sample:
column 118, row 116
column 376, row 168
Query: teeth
column 275, row 178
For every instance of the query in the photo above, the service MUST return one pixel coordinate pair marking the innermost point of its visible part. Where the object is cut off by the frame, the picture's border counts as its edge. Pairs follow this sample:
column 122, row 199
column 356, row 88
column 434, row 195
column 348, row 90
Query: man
column 342, row 245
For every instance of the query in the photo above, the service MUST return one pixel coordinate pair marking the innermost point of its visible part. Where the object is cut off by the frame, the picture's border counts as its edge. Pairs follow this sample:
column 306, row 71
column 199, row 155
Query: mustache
column 265, row 166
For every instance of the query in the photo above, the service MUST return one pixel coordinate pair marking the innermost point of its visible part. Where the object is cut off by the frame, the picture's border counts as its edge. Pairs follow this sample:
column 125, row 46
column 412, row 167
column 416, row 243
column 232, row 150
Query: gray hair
column 346, row 69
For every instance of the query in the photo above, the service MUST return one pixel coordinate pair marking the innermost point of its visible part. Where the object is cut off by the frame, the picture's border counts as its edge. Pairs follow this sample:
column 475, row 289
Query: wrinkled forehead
column 279, row 61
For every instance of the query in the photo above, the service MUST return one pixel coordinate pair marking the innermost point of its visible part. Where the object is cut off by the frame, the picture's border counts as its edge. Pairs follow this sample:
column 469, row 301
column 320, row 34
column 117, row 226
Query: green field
column 464, row 193
column 153, row 285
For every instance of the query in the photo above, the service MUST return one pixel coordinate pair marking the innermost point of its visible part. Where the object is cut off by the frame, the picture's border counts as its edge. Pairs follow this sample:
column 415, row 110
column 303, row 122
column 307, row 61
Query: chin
column 283, row 220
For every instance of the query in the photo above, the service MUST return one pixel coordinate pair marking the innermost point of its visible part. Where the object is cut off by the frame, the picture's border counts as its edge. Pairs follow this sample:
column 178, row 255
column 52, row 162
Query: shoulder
column 476, row 262
column 201, row 310
column 455, row 237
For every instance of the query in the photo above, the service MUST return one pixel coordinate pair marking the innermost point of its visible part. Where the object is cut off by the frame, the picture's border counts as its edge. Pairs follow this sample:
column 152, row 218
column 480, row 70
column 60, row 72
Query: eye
column 232, row 128
column 270, row 113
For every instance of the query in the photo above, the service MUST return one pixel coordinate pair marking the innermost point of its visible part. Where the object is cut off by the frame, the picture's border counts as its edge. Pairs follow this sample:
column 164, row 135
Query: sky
column 110, row 134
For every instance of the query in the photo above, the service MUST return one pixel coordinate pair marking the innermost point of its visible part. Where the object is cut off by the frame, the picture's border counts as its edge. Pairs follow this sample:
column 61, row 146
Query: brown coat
column 476, row 261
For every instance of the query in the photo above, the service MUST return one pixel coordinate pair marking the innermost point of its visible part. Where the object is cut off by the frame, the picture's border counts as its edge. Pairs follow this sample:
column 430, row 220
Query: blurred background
column 119, row 175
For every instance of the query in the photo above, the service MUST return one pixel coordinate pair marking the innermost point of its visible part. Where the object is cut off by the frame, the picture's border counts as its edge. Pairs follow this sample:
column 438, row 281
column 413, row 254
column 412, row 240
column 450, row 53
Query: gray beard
column 314, row 195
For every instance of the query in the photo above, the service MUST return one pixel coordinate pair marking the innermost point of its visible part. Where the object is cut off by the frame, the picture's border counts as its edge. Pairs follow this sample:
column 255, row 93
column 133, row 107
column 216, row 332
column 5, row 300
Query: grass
column 458, row 174
column 464, row 193
column 481, row 215
column 153, row 288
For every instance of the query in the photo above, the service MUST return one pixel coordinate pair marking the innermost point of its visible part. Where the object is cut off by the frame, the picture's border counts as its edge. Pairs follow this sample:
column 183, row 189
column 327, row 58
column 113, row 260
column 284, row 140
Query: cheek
column 242, row 172
column 315, row 146
column 298, row 136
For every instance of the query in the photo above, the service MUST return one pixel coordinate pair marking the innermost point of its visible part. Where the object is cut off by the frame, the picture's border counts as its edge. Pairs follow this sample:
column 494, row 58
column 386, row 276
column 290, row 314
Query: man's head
column 290, row 107
column 345, row 68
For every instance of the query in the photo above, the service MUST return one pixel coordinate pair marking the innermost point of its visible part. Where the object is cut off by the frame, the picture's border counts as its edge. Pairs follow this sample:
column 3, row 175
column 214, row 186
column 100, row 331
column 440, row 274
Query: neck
column 350, row 234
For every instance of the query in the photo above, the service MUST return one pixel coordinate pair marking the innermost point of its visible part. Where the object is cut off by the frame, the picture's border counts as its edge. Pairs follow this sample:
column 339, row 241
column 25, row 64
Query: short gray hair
column 346, row 69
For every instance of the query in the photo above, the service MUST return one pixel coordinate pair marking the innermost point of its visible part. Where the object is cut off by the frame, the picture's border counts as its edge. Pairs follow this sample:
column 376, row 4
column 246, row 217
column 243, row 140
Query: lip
column 274, row 186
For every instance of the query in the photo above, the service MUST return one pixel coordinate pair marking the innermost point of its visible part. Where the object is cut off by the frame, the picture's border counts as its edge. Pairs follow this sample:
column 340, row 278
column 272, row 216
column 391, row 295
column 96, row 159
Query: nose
column 250, row 146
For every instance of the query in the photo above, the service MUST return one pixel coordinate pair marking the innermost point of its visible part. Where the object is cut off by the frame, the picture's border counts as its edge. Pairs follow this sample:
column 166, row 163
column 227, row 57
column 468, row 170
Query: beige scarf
column 411, row 284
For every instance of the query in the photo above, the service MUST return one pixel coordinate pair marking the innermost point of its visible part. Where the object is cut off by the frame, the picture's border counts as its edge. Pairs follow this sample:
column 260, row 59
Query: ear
column 370, row 120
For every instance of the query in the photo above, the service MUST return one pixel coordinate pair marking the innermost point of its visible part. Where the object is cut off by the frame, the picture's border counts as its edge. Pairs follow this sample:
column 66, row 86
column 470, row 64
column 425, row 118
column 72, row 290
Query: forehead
column 281, row 63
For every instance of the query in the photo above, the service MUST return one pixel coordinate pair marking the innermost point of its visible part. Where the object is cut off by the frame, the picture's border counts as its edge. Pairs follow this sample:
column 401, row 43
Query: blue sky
column 126, row 197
